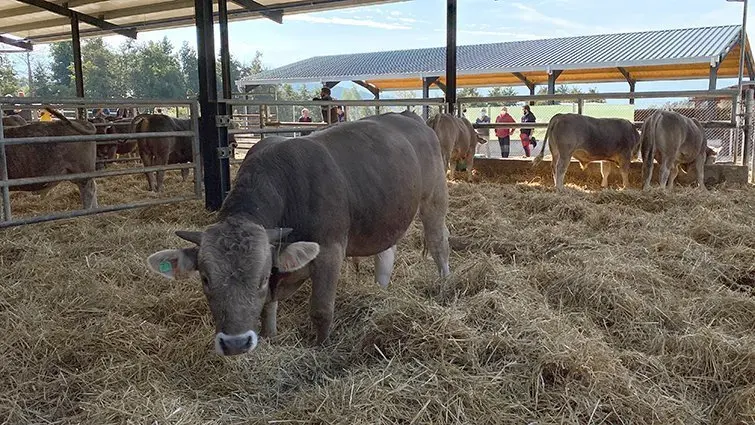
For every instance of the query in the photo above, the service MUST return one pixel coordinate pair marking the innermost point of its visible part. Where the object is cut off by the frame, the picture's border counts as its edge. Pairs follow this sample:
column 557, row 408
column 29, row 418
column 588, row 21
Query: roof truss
column 83, row 17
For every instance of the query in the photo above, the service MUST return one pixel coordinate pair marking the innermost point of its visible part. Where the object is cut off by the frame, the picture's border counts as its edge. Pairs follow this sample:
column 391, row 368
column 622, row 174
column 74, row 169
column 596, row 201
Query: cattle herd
column 300, row 206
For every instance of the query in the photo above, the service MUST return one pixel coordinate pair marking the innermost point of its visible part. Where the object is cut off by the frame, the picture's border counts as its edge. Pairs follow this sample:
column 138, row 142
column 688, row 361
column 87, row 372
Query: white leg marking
column 384, row 266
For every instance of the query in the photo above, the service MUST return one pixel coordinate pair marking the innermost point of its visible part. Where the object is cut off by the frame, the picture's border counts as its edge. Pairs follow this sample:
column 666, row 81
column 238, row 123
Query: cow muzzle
column 231, row 345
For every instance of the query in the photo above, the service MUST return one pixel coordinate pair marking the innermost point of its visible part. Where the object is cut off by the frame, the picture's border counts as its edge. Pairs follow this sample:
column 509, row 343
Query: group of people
column 504, row 134
column 335, row 113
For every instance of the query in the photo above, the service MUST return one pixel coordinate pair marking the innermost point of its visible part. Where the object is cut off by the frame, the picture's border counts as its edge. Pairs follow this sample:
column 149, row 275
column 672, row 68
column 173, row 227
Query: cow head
column 235, row 260
column 710, row 155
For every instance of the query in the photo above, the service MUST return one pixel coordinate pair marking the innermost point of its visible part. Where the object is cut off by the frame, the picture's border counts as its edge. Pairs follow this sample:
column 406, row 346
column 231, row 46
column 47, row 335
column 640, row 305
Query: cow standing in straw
column 299, row 206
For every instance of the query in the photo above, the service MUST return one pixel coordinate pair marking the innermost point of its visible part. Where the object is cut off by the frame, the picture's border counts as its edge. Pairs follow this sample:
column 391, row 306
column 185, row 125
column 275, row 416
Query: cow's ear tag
column 165, row 266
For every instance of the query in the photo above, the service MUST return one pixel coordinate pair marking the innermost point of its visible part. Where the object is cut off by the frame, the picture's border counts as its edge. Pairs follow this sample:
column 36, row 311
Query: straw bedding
column 584, row 307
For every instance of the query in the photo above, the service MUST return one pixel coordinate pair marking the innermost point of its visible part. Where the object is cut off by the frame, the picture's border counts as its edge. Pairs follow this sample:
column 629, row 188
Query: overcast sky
column 421, row 23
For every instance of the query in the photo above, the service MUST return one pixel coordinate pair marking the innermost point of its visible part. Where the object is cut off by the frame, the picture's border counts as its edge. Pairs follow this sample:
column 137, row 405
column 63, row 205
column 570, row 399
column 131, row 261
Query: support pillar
column 78, row 70
column 215, row 185
column 451, row 55
column 552, row 77
column 377, row 97
column 426, row 83
column 632, row 85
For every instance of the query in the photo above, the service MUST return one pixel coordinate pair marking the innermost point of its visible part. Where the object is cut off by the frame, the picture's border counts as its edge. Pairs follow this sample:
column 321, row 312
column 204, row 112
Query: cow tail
column 539, row 158
column 81, row 128
column 647, row 141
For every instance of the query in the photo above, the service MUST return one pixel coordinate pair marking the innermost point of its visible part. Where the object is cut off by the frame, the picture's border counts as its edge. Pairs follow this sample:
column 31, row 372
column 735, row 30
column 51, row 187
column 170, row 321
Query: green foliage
column 9, row 82
column 500, row 92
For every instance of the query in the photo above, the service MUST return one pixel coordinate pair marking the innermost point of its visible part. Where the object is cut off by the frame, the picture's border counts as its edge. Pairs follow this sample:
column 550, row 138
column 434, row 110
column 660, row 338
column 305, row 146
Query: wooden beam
column 626, row 75
column 530, row 85
column 372, row 89
column 253, row 6
column 21, row 44
column 91, row 20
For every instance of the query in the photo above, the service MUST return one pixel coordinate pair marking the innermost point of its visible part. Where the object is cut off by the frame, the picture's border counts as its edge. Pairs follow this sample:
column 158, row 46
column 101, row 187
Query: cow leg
column 185, row 174
column 325, row 273
column 384, row 266
column 647, row 174
column 624, row 170
column 561, row 165
column 269, row 317
column 672, row 177
column 160, row 180
column 88, row 193
column 470, row 164
column 432, row 213
column 700, row 170
column 665, row 171
column 605, row 171
column 147, row 162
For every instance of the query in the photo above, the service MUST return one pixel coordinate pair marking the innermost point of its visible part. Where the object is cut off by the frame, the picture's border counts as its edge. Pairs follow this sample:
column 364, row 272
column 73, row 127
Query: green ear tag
column 165, row 266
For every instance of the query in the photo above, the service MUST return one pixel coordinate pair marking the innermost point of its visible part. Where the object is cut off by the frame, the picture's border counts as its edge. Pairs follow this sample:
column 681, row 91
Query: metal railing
column 266, row 127
column 716, row 109
column 6, row 183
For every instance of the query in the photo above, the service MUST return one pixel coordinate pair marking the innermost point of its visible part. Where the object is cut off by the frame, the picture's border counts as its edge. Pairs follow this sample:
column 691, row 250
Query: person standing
column 504, row 134
column 329, row 113
column 525, row 133
column 305, row 118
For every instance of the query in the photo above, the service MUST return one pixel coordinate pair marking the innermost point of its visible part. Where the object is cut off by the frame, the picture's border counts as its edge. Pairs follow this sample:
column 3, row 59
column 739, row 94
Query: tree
column 501, row 92
column 187, row 58
column 158, row 71
column 42, row 83
column 469, row 92
column 62, row 68
column 98, row 65
column 8, row 79
column 124, row 73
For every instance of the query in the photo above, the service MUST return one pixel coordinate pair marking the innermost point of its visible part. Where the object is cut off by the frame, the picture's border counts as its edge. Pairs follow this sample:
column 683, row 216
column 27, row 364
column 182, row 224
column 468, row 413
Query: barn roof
column 649, row 55
column 38, row 25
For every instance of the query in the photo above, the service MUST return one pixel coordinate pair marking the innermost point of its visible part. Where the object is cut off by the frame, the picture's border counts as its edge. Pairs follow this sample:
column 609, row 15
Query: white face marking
column 245, row 335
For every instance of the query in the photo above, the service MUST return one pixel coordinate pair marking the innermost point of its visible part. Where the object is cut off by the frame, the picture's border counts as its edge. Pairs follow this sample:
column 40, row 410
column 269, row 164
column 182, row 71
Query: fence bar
column 382, row 102
column 4, row 175
column 40, row 101
column 100, row 210
column 80, row 176
column 586, row 96
column 195, row 149
column 749, row 157
column 95, row 137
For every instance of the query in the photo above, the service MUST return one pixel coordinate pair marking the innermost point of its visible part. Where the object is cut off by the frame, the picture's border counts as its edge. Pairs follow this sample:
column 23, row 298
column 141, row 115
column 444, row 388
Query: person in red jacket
column 504, row 134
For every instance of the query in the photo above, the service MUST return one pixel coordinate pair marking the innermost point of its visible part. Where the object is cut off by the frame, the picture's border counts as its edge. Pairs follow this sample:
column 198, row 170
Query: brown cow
column 298, row 207
column 13, row 121
column 166, row 150
column 589, row 139
column 109, row 151
column 458, row 141
column 50, row 159
column 674, row 141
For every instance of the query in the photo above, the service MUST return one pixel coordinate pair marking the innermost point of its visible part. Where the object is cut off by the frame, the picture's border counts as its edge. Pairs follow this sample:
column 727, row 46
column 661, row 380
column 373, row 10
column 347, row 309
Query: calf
column 166, row 150
column 589, row 139
column 13, row 121
column 50, row 159
column 674, row 141
column 458, row 141
column 298, row 207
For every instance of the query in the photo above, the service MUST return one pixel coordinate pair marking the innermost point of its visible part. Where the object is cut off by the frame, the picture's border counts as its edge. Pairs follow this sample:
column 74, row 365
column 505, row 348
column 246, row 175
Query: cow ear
column 275, row 235
column 297, row 255
column 195, row 237
column 174, row 263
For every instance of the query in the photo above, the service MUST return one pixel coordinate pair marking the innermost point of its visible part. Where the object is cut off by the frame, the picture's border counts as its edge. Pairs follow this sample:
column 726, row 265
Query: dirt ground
column 586, row 307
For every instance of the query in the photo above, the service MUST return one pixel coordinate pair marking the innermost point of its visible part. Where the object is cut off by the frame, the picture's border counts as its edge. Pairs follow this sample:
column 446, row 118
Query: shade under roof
column 38, row 25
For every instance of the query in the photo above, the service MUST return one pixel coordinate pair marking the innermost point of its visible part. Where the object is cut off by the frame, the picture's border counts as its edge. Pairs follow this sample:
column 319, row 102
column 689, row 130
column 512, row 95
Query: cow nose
column 231, row 345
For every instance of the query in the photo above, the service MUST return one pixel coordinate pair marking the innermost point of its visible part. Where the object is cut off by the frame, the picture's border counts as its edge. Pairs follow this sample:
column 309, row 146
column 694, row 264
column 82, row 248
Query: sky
column 421, row 23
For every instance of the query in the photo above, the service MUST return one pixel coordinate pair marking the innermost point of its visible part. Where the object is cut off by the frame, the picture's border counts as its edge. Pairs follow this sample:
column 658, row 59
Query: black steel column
column 223, row 108
column 78, row 70
column 208, row 95
column 451, row 55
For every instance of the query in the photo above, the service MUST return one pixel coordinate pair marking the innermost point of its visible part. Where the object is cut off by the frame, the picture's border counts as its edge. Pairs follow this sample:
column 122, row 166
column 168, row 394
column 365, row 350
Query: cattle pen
column 585, row 306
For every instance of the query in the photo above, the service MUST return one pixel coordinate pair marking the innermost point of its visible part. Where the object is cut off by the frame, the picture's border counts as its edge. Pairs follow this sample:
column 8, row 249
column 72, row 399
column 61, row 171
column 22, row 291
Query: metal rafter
column 21, row 44
column 91, row 20
column 253, row 6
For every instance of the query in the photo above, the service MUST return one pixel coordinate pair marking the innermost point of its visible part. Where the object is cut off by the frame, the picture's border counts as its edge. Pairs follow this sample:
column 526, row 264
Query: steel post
column 4, row 175
column 451, row 55
column 78, row 69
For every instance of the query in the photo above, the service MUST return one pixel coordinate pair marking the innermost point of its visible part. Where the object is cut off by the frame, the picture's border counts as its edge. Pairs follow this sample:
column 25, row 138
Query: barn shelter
column 677, row 54
column 25, row 22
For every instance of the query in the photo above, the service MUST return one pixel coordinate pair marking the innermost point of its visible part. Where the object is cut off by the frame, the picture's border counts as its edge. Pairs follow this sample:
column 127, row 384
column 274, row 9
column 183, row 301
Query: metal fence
column 717, row 110
column 354, row 109
column 7, row 183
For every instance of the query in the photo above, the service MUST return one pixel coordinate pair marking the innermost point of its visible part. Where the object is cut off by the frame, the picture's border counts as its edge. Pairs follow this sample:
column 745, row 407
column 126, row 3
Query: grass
column 586, row 307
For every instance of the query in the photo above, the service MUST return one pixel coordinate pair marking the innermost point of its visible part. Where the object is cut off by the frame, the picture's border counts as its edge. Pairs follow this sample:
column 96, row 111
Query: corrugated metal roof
column 647, row 48
column 38, row 25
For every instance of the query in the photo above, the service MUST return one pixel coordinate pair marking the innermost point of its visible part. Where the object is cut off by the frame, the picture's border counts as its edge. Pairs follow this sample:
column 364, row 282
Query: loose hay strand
column 585, row 307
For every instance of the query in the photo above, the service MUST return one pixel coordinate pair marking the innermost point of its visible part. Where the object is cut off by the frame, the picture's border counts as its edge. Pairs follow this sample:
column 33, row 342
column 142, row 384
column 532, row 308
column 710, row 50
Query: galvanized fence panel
column 175, row 106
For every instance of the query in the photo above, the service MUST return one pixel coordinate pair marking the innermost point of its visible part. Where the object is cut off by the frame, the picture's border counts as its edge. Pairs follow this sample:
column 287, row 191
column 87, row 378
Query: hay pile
column 605, row 307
